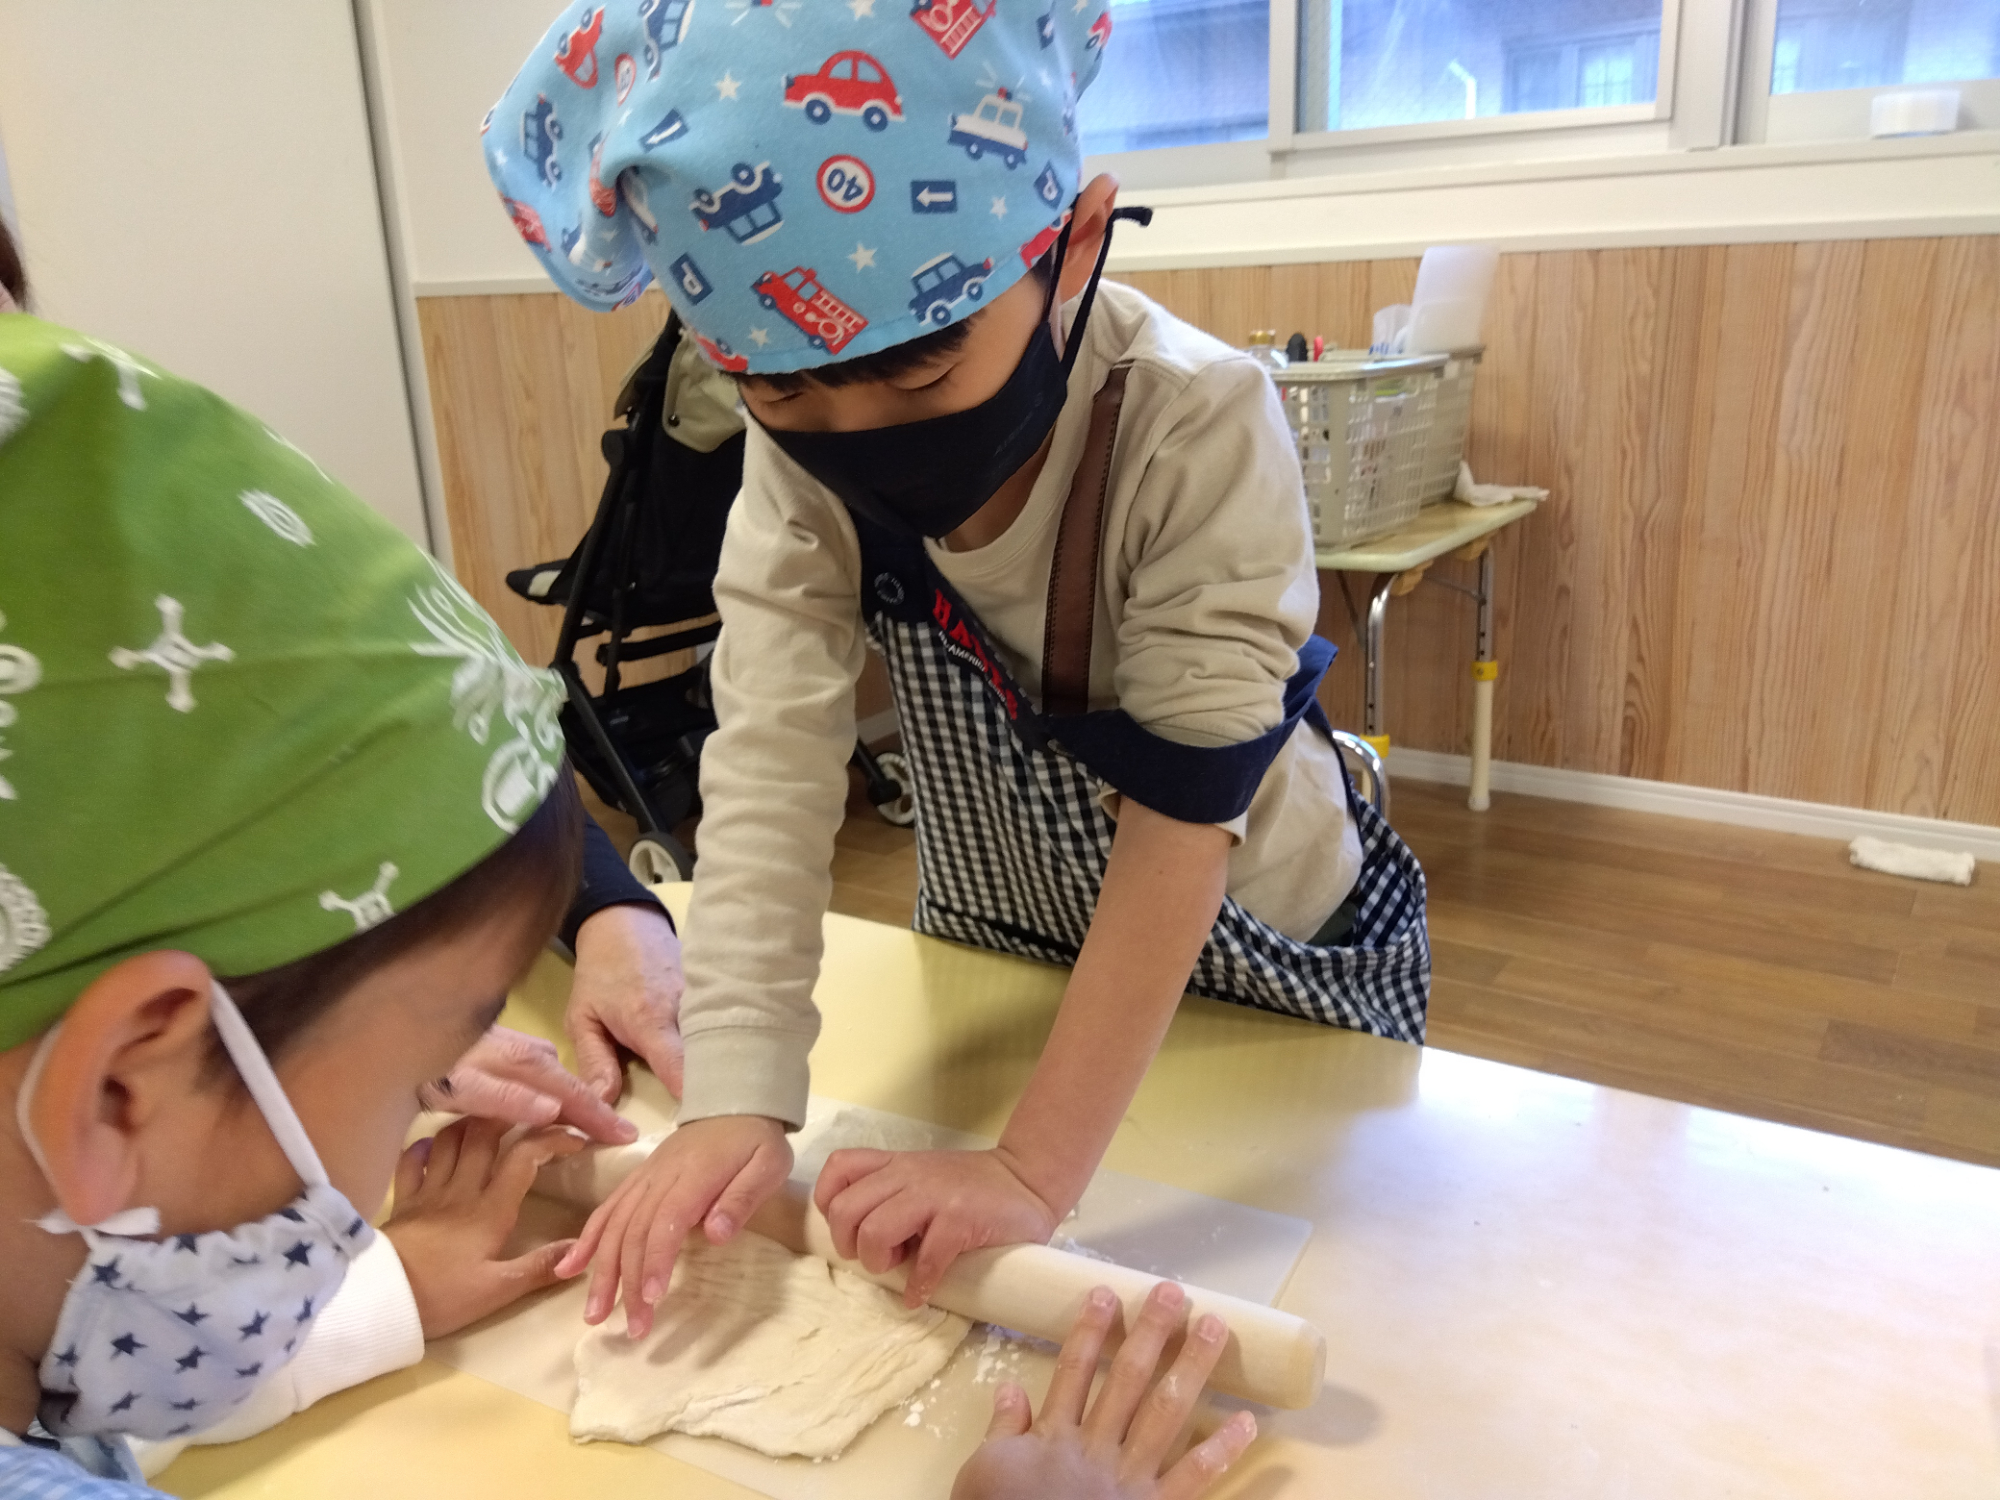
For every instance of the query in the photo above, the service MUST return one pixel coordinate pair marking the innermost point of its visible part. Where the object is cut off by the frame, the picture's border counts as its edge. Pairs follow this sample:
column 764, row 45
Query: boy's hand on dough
column 710, row 1173
column 1118, row 1449
column 881, row 1203
column 458, row 1198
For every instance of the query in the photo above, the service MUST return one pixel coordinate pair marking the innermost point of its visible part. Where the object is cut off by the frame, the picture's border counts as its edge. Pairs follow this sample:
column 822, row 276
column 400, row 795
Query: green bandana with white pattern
column 241, row 715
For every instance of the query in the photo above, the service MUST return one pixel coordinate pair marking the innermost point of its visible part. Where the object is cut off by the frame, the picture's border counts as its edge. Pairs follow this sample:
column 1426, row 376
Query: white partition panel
column 195, row 181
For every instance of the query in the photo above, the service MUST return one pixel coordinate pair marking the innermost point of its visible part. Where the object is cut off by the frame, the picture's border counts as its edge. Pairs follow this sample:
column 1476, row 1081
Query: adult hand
column 458, row 1197
column 710, row 1173
column 1118, row 1449
column 626, row 993
column 878, row 1203
column 517, row 1078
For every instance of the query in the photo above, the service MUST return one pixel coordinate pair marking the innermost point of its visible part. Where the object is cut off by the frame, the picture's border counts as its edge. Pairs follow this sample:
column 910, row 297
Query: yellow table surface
column 1438, row 529
column 1532, row 1287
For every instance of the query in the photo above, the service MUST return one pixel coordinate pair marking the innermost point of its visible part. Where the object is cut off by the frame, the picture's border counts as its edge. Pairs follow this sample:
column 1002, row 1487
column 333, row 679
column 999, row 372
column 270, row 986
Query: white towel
column 1951, row 868
column 1473, row 493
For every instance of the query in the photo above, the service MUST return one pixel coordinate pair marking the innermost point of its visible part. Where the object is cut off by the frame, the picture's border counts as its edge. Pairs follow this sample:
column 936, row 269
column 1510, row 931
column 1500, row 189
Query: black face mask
column 926, row 479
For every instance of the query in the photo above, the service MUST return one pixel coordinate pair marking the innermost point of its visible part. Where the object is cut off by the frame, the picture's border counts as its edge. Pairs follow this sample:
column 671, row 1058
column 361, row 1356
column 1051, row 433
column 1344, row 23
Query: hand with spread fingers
column 1118, row 1449
column 517, row 1079
column 458, row 1198
column 626, row 997
column 710, row 1175
column 883, row 1205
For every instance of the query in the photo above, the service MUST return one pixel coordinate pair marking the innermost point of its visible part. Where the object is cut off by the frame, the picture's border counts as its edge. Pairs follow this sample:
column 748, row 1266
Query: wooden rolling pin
column 1272, row 1357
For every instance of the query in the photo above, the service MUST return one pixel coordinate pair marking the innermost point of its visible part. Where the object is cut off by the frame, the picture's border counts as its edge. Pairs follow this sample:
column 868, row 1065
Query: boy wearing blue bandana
column 1073, row 526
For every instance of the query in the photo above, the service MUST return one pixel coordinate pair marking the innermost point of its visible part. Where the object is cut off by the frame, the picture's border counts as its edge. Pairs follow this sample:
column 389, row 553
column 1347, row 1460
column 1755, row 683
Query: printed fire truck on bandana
column 826, row 321
column 952, row 23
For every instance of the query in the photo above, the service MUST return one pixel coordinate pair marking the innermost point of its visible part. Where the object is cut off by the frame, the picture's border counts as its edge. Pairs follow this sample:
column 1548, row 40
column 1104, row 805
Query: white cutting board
column 916, row 1449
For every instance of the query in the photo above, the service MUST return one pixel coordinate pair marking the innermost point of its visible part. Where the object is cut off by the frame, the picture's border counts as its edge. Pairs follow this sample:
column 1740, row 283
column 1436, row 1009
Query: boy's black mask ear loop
column 928, row 478
column 1141, row 216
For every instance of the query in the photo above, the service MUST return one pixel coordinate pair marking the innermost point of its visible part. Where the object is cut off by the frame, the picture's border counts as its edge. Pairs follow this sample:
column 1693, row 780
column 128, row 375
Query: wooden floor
column 1754, row 972
column 1748, row 971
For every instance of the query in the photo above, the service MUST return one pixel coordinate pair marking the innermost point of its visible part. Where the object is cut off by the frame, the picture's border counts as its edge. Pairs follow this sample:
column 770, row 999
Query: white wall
column 194, row 180
column 440, row 65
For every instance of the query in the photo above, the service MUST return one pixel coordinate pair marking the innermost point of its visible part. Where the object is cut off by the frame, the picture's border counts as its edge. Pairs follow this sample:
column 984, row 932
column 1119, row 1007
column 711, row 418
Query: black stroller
column 648, row 564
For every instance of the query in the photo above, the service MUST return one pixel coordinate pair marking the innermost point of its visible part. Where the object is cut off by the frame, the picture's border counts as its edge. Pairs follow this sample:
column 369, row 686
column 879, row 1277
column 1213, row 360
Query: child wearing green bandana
column 282, row 817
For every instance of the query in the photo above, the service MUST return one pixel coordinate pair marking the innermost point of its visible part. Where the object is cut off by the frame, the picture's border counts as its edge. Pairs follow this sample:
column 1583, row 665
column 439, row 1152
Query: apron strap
column 1072, row 609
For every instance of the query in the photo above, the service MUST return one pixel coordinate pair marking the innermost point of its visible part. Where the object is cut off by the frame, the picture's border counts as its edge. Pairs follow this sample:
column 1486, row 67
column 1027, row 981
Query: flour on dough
column 779, row 1352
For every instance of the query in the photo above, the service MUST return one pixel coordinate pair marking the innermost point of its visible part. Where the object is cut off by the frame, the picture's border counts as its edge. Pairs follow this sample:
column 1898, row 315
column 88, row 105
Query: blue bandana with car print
column 809, row 180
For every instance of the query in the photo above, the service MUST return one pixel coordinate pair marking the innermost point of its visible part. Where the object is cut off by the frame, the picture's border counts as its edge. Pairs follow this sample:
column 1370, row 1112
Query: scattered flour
column 999, row 1356
column 779, row 1352
column 1077, row 1247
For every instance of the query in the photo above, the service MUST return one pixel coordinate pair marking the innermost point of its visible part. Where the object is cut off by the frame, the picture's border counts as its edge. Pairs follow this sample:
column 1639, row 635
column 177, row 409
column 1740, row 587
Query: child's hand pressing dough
column 458, row 1198
column 882, row 1205
column 709, row 1174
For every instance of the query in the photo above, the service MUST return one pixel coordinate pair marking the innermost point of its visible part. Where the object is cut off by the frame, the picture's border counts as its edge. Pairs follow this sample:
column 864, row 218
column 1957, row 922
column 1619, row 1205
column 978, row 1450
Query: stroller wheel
column 657, row 859
column 901, row 809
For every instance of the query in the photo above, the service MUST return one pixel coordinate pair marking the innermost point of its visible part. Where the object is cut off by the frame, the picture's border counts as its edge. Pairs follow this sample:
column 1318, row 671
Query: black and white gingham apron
column 1012, row 840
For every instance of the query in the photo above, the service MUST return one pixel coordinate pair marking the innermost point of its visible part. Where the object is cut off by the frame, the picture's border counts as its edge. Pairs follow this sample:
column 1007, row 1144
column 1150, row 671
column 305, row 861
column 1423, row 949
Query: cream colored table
column 1399, row 561
column 1534, row 1289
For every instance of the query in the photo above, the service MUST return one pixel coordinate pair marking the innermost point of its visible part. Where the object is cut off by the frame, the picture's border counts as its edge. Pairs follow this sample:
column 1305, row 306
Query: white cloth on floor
column 1952, row 867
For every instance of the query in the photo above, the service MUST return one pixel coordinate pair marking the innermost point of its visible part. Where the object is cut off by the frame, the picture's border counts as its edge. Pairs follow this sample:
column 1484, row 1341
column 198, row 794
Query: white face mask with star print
column 159, row 1338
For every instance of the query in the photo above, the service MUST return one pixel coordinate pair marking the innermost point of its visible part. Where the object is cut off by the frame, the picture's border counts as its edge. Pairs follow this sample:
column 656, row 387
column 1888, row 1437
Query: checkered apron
column 1012, row 840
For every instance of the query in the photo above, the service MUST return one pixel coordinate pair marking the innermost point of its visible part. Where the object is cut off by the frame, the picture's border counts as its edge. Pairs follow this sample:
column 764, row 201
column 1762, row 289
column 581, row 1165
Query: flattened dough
column 779, row 1352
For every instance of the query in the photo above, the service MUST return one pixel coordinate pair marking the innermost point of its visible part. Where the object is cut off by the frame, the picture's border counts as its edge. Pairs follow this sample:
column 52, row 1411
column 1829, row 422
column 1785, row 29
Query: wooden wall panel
column 1721, row 552
column 1798, row 518
column 1869, row 523
column 1945, row 662
column 521, row 389
column 1771, row 562
column 1685, row 342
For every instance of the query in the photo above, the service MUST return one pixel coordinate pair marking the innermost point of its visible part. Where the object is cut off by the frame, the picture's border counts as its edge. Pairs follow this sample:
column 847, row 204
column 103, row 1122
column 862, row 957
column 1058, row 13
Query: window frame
column 1285, row 64
column 1713, row 90
column 1830, row 114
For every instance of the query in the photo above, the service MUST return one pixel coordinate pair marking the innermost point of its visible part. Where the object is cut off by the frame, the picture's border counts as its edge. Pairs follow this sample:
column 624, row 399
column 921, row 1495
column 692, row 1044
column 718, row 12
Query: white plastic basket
column 1362, row 427
column 1449, row 424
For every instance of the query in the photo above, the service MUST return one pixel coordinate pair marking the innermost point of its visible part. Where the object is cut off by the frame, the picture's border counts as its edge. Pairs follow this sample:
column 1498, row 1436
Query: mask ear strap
column 264, row 1087
column 25, row 1096
column 1052, row 306
column 1138, row 215
column 131, row 1221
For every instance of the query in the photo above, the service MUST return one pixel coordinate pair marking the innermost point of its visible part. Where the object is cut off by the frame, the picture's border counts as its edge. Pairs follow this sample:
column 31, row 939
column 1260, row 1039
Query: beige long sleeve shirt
column 1206, row 592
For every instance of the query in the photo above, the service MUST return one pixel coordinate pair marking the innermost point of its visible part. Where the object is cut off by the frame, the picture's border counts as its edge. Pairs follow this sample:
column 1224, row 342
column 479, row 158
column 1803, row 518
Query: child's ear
column 1089, row 218
column 132, row 1044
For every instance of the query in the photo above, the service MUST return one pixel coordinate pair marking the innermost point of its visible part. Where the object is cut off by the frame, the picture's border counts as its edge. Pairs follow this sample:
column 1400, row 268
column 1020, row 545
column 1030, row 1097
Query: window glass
column 1368, row 63
column 1179, row 73
column 1857, row 44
